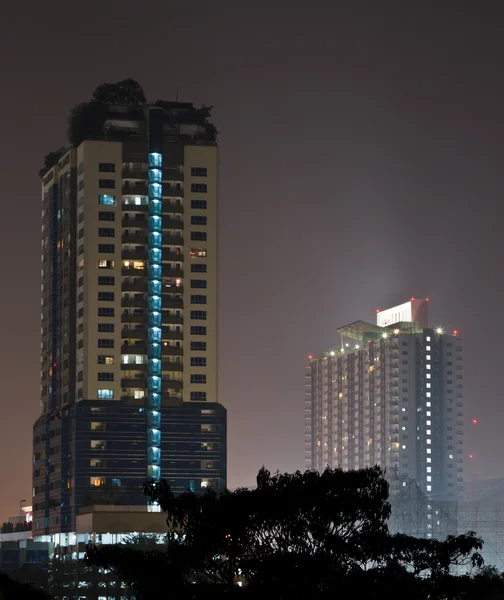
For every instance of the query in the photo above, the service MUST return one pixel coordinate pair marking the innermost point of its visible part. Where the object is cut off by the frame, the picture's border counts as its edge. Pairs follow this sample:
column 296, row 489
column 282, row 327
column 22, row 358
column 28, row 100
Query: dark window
column 106, row 248
column 105, row 327
column 197, row 330
column 198, row 204
column 198, row 236
column 81, row 281
column 198, row 378
column 81, row 313
column 198, row 314
column 105, row 311
column 199, row 188
column 106, row 280
column 105, row 376
column 197, row 220
column 106, row 215
column 106, row 183
column 106, row 232
column 197, row 268
column 106, row 167
column 198, row 361
column 81, row 233
column 199, row 171
column 198, row 346
column 198, row 396
column 105, row 343
column 105, row 296
column 198, row 299
column 198, row 283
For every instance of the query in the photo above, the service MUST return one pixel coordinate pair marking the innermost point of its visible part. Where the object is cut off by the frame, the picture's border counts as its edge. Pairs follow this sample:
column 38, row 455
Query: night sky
column 362, row 147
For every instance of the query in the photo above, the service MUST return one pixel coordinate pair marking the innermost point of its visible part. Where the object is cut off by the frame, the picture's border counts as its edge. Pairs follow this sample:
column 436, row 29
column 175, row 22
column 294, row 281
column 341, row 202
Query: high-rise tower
column 129, row 311
column 390, row 394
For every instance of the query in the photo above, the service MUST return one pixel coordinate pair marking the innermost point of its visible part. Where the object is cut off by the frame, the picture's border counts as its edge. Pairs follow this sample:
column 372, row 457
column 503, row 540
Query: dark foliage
column 295, row 536
column 87, row 119
column 10, row 589
column 51, row 159
column 11, row 528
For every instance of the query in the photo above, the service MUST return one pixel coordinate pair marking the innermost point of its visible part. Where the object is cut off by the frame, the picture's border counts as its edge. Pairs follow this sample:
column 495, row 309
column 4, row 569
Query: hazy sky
column 361, row 163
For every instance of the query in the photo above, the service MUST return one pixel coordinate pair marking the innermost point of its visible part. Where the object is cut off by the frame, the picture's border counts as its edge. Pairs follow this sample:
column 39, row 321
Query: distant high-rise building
column 390, row 394
column 129, row 311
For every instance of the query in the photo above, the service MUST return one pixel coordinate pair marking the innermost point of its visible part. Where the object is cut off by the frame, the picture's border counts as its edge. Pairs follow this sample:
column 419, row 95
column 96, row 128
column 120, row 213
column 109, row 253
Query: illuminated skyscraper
column 390, row 394
column 129, row 313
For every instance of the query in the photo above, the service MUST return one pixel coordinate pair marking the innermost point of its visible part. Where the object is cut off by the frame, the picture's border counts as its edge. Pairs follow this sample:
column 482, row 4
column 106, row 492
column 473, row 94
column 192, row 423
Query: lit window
column 427, row 394
column 429, row 488
column 427, row 385
column 427, row 357
column 198, row 252
column 427, row 367
column 427, row 348
column 105, row 264
column 97, row 426
column 429, row 460
column 204, row 483
column 428, row 441
column 106, row 394
column 428, row 413
column 429, row 478
column 404, row 446
column 428, row 404
column 138, row 264
column 427, row 339
column 428, row 432
column 137, row 394
column 428, row 375
column 97, row 481
column 429, row 469
column 429, row 451
column 97, row 445
column 427, row 423
column 106, row 199
column 450, row 456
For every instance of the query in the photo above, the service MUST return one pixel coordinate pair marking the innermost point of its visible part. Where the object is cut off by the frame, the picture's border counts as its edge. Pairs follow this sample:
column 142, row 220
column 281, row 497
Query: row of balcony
column 140, row 237
column 166, row 366
column 140, row 189
column 132, row 333
column 167, row 302
column 176, row 208
column 142, row 319
column 141, row 348
column 168, row 222
column 138, row 172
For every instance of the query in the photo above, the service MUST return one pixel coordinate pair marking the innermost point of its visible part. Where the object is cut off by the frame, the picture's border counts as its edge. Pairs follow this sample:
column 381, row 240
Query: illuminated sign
column 396, row 314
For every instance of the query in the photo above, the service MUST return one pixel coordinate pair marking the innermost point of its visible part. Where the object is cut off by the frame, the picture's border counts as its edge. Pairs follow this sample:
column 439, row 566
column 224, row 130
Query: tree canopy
column 295, row 536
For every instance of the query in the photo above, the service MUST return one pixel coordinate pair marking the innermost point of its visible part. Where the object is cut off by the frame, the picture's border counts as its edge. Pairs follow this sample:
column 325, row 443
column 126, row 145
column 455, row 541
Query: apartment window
column 106, row 296
column 198, row 268
column 106, row 264
column 198, row 378
column 198, row 283
column 103, row 359
column 199, row 188
column 105, row 376
column 81, row 313
column 106, row 215
column 106, row 199
column 106, row 248
column 198, row 346
column 197, row 220
column 106, row 232
column 198, row 172
column 105, row 394
column 105, row 327
column 198, row 252
column 106, row 183
column 106, row 280
column 201, row 204
column 105, row 343
column 198, row 361
column 106, row 168
column 105, row 311
column 97, row 444
column 97, row 462
column 198, row 315
column 198, row 236
column 81, row 281
column 198, row 330
column 199, row 397
column 81, row 233
column 198, row 299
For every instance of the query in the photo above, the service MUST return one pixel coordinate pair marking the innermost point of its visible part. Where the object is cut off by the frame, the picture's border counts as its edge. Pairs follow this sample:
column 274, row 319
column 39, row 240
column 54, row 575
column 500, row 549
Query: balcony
column 134, row 302
column 172, row 256
column 130, row 221
column 134, row 208
column 139, row 189
column 134, row 272
column 172, row 335
column 169, row 223
column 131, row 318
column 134, row 253
column 137, row 238
column 134, row 382
column 172, row 366
column 172, row 302
column 168, row 383
column 133, row 333
column 133, row 367
column 173, row 320
column 137, row 172
column 172, row 351
column 170, row 174
column 139, row 285
column 172, row 191
column 134, row 348
column 171, row 272
column 173, row 207
column 171, row 289
column 172, row 240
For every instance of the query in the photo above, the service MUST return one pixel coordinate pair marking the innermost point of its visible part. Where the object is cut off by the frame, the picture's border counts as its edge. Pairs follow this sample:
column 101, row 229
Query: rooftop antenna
column 176, row 95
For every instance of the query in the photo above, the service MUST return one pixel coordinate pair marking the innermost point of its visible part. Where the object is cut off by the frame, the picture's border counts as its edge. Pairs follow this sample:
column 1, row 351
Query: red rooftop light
column 471, row 455
column 474, row 421
column 426, row 299
column 455, row 332
column 412, row 298
column 377, row 310
column 310, row 356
